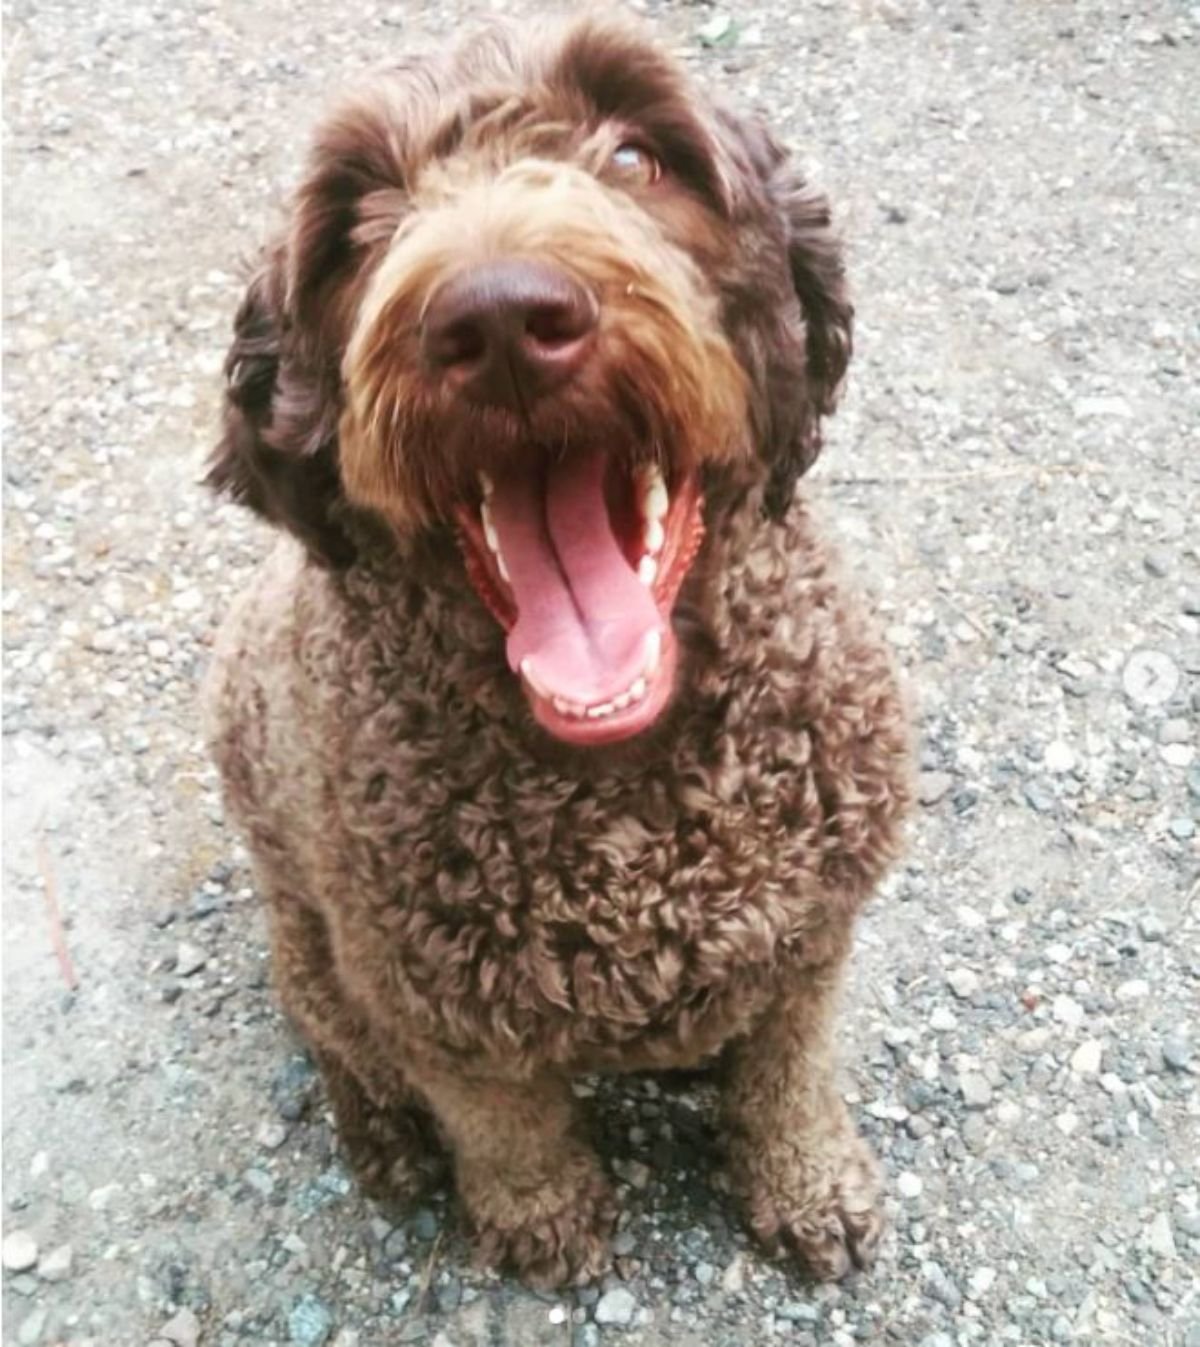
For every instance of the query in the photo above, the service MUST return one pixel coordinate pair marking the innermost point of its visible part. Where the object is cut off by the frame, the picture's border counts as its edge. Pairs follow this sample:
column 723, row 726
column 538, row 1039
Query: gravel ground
column 1016, row 474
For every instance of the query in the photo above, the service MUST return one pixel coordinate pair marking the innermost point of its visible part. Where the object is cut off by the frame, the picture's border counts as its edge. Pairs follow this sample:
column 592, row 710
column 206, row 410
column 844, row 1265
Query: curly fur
column 464, row 911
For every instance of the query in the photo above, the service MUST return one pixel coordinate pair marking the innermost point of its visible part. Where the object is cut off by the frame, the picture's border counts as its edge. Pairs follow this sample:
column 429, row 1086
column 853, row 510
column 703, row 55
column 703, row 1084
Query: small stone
column 182, row 1329
column 624, row 1243
column 1159, row 1238
column 1066, row 1010
column 943, row 1019
column 1086, row 1059
column 976, row 1089
column 1177, row 1053
column 933, row 786
column 1176, row 730
column 704, row 1273
column 633, row 1172
column 20, row 1251
column 1151, row 928
column 909, row 1185
column 56, row 1265
column 1182, row 828
column 963, row 983
column 1157, row 562
column 1039, row 797
column 271, row 1134
column 310, row 1323
column 1133, row 990
column 616, row 1307
column 31, row 1327
column 424, row 1224
column 189, row 959
column 1059, row 758
column 733, row 1279
column 981, row 1282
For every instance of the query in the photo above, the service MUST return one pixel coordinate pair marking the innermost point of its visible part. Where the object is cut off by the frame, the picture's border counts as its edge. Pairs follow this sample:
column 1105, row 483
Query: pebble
column 1182, row 828
column 31, row 1327
column 1159, row 1238
column 733, row 1279
column 310, row 1323
column 1175, row 731
column 1039, row 797
column 943, row 1019
column 1151, row 928
column 704, row 1273
column 980, row 1282
column 963, row 983
column 271, row 1134
column 909, row 1185
column 55, row 1266
column 617, row 1306
column 1066, row 1010
column 933, row 786
column 1177, row 1053
column 1133, row 990
column 976, row 1089
column 424, row 1224
column 182, row 1329
column 189, row 959
column 1059, row 758
column 1087, row 1057
column 1157, row 562
column 20, row 1251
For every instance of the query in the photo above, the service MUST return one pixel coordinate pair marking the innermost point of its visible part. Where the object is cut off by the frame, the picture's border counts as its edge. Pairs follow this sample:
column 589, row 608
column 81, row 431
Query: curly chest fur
column 604, row 906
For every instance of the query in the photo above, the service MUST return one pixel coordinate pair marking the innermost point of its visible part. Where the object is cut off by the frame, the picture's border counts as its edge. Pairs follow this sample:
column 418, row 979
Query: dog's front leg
column 808, row 1182
column 534, row 1192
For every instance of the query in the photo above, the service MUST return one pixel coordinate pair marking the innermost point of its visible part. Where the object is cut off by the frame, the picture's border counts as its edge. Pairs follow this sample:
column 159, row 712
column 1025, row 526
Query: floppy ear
column 278, row 449
column 808, row 353
column 278, row 452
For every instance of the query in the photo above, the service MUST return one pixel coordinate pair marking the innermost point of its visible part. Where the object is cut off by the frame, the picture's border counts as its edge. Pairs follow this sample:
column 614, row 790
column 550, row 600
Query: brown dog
column 558, row 744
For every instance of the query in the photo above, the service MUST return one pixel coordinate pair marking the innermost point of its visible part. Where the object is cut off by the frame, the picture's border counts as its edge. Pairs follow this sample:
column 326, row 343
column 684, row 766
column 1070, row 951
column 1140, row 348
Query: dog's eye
column 636, row 163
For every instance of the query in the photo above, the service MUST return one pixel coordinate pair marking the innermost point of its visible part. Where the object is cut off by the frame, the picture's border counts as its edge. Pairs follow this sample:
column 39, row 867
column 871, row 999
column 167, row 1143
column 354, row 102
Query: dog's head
column 543, row 294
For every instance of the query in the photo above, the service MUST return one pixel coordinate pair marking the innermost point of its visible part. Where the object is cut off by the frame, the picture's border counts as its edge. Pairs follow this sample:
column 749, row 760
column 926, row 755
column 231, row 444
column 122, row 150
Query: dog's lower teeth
column 654, row 536
column 598, row 712
column 638, row 690
column 647, row 571
column 653, row 652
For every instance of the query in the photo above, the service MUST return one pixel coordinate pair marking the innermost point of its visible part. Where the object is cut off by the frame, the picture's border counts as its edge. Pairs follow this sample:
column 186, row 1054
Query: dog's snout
column 508, row 331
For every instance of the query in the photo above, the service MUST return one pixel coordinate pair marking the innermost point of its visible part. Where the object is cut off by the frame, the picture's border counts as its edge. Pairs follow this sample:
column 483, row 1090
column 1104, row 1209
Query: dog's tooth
column 563, row 707
column 600, row 711
column 502, row 568
column 647, row 571
column 653, row 648
column 655, row 500
column 637, row 689
column 621, row 702
column 486, row 485
column 654, row 536
column 489, row 528
column 532, row 679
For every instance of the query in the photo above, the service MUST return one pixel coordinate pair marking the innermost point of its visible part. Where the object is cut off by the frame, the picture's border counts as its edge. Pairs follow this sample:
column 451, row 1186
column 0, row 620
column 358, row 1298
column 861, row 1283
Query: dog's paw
column 556, row 1234
column 392, row 1159
column 821, row 1206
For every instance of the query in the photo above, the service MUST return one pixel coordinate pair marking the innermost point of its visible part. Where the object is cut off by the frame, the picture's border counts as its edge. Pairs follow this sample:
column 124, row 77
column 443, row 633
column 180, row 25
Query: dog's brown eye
column 635, row 162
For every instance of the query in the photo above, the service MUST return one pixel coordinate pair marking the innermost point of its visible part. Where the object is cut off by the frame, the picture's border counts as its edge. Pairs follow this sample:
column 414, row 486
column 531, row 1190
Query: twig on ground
column 427, row 1276
column 50, row 892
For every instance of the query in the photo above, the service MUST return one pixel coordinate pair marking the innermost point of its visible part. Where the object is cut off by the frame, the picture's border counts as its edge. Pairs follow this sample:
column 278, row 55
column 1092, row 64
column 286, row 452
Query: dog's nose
column 508, row 331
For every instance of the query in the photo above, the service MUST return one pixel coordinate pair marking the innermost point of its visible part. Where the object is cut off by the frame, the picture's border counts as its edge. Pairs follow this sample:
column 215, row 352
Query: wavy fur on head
column 464, row 911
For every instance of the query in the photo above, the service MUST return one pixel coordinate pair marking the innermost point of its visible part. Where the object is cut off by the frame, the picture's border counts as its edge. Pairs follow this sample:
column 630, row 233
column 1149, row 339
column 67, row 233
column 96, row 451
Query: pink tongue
column 582, row 613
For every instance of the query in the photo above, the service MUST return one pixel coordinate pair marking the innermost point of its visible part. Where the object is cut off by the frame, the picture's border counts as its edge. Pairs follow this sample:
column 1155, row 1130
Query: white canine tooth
column 654, row 536
column 563, row 707
column 486, row 485
column 655, row 500
column 653, row 647
column 637, row 689
column 647, row 571
column 532, row 679
column 622, row 701
column 489, row 529
column 502, row 568
column 598, row 712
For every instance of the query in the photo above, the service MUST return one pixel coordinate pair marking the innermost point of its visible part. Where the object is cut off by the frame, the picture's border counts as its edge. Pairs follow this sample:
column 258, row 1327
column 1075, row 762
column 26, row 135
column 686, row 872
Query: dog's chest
column 519, row 905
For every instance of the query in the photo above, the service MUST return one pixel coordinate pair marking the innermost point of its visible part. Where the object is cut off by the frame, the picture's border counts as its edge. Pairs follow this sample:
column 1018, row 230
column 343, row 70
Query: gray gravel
column 1016, row 473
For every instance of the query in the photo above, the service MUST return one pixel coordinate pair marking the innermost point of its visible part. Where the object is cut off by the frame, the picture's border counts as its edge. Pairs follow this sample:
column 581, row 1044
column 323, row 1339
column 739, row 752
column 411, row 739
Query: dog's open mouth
column 580, row 560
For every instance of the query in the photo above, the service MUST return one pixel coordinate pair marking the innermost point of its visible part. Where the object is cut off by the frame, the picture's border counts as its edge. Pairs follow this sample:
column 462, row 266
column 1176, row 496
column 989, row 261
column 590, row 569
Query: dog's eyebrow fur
column 626, row 81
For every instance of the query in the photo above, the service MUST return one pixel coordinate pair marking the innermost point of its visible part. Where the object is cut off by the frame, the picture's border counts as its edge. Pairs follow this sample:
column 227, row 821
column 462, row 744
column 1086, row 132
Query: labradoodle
column 557, row 741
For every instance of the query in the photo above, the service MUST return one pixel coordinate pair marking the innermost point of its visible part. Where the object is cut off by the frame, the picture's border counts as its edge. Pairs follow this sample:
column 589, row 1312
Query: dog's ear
column 278, row 449
column 808, row 354
column 278, row 453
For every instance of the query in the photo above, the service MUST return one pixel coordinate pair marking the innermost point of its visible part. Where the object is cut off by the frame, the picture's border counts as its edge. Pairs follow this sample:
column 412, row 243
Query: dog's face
column 544, row 296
